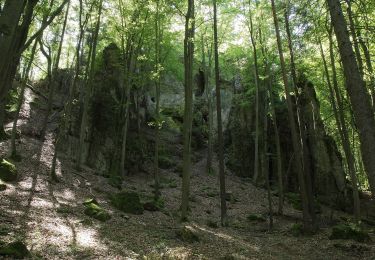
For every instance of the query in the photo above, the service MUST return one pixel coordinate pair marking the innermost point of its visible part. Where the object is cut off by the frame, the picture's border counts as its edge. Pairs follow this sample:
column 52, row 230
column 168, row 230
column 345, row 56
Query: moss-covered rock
column 187, row 234
column 128, row 202
column 92, row 209
column 349, row 231
column 15, row 250
column 8, row 171
column 3, row 186
column 256, row 218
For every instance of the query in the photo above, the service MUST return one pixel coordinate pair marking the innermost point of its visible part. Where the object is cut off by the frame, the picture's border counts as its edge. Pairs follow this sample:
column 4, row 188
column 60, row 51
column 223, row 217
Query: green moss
column 3, row 186
column 154, row 205
column 4, row 230
column 256, row 217
column 296, row 229
column 187, row 234
column 92, row 209
column 8, row 171
column 128, row 202
column 16, row 250
column 349, row 231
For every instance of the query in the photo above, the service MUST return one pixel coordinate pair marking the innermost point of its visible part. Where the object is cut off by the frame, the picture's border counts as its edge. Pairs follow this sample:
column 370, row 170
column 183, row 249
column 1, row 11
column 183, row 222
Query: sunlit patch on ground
column 41, row 203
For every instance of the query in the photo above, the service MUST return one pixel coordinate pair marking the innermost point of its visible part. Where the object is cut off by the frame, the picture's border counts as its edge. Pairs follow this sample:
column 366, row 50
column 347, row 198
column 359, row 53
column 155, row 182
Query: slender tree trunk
column 348, row 154
column 88, row 91
column 339, row 123
column 210, row 104
column 188, row 114
column 278, row 150
column 307, row 164
column 357, row 92
column 369, row 66
column 157, row 93
column 265, row 165
column 219, row 123
column 56, row 67
column 256, row 81
column 354, row 36
column 307, row 219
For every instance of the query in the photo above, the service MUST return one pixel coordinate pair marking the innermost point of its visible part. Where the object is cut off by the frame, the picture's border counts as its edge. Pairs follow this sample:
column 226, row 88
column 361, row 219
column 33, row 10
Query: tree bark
column 357, row 92
column 307, row 219
column 188, row 114
column 223, row 205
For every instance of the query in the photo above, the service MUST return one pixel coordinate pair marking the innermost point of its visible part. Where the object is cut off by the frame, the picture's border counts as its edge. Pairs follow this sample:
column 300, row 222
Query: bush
column 349, row 231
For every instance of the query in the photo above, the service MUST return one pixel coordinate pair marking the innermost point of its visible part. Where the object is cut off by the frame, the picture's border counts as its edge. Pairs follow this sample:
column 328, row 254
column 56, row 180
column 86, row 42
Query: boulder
column 8, row 171
column 187, row 234
column 92, row 209
column 128, row 202
column 15, row 250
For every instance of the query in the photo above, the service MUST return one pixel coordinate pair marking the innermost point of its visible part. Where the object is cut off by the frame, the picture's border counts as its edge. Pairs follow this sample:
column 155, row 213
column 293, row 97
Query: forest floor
column 50, row 217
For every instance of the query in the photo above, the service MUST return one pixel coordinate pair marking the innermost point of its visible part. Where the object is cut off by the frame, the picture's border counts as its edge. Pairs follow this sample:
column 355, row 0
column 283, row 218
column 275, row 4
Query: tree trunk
column 188, row 114
column 256, row 81
column 219, row 124
column 307, row 219
column 357, row 92
column 88, row 91
column 158, row 124
column 341, row 124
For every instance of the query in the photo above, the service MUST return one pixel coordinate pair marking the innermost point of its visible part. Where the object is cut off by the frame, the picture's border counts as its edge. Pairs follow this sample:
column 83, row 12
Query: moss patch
column 187, row 234
column 92, row 209
column 3, row 186
column 128, row 202
column 349, row 231
column 154, row 205
column 256, row 218
column 8, row 171
column 16, row 250
column 296, row 229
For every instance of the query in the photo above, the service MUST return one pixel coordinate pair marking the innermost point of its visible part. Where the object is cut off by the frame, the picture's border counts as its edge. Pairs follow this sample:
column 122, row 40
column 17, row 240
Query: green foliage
column 128, row 202
column 349, row 231
column 8, row 171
